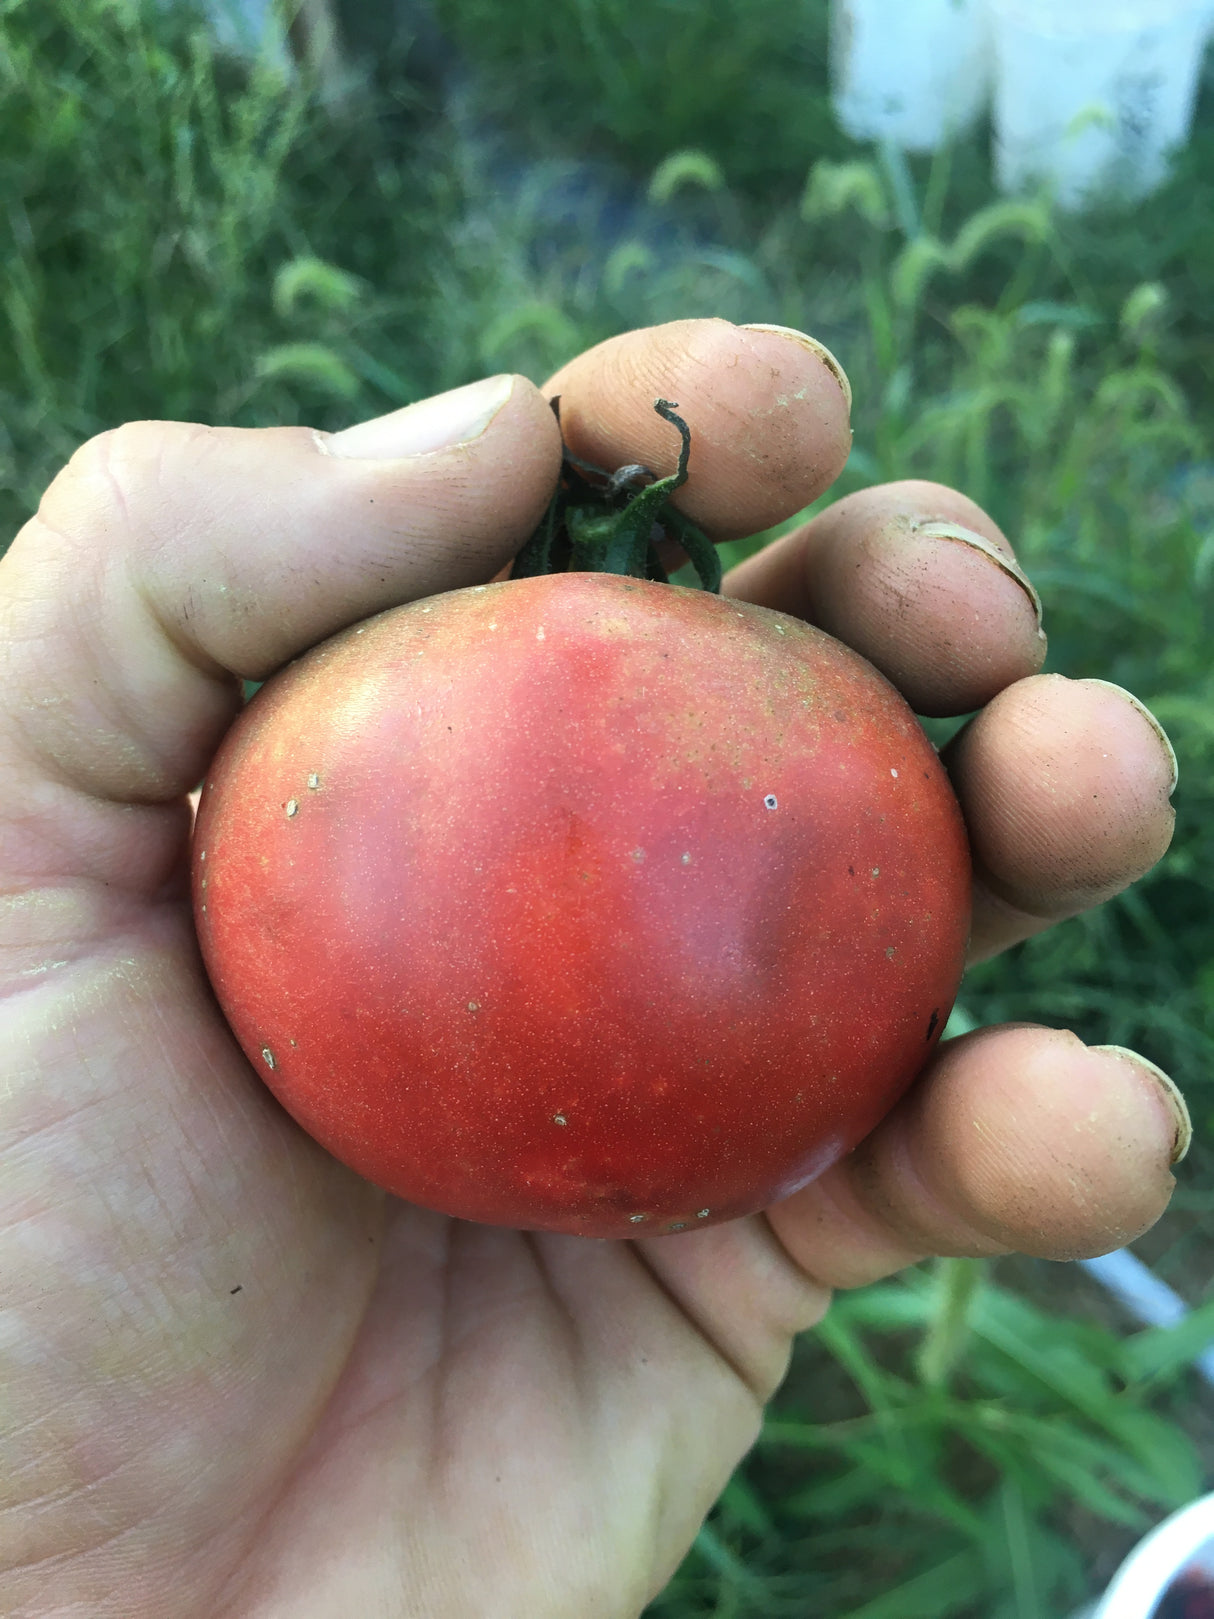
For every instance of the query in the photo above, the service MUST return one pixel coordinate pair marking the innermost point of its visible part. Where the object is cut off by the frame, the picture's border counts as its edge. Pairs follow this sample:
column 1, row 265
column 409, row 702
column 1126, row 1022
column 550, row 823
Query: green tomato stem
column 607, row 537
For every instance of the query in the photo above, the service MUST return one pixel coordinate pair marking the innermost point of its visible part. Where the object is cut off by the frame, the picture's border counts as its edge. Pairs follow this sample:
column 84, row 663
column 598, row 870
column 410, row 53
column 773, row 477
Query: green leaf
column 744, row 1505
column 948, row 1588
column 1161, row 1352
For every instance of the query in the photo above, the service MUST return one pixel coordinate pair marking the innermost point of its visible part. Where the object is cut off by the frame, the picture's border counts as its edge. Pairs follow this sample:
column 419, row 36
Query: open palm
column 238, row 1382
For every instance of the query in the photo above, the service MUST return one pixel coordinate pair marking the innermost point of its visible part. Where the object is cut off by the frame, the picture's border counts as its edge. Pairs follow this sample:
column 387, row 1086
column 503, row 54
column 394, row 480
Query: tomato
column 583, row 903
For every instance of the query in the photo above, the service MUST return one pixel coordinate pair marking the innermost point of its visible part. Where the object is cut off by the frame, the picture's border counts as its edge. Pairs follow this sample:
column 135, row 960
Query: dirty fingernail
column 814, row 347
column 1001, row 559
column 1168, row 1092
column 1136, row 702
column 439, row 423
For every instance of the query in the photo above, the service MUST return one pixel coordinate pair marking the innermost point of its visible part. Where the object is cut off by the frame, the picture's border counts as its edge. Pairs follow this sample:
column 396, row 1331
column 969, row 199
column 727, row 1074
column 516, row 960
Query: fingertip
column 1161, row 736
column 1066, row 790
column 919, row 581
column 794, row 335
column 1018, row 1138
column 768, row 416
column 1040, row 1143
column 1166, row 1092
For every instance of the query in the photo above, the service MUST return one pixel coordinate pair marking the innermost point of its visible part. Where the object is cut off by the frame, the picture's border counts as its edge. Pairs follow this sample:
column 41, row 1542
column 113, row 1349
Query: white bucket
column 911, row 72
column 1182, row 1544
column 1092, row 96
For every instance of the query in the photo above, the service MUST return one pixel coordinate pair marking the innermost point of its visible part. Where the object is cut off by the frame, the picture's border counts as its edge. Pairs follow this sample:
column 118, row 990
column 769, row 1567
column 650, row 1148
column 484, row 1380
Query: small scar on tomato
column 932, row 1022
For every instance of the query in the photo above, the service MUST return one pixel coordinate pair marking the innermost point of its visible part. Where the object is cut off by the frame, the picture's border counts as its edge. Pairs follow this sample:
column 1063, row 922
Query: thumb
column 167, row 558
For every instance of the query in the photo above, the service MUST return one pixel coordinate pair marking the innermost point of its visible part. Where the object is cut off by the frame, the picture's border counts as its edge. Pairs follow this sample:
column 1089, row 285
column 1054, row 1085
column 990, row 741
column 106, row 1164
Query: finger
column 767, row 407
column 1065, row 787
column 918, row 580
column 168, row 558
column 1017, row 1139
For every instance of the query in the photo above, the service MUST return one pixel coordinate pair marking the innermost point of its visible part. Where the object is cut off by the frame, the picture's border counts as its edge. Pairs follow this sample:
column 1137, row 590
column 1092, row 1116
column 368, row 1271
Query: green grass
column 186, row 239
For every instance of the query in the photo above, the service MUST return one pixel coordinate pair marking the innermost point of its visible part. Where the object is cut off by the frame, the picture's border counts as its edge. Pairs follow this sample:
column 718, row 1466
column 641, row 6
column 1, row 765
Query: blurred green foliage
column 610, row 78
column 196, row 238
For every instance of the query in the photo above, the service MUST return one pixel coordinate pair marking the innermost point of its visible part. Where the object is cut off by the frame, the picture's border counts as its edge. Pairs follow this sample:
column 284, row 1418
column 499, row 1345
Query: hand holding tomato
column 239, row 1382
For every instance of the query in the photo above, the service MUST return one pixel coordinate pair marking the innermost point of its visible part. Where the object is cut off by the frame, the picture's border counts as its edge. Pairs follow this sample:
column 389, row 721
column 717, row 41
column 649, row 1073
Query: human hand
column 240, row 1383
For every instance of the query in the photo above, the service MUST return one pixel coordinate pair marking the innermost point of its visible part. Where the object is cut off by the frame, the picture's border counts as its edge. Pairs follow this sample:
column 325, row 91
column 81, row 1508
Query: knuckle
column 117, row 483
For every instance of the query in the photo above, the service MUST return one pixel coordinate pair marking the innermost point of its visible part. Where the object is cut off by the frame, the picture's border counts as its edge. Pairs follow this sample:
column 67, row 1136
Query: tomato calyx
column 602, row 522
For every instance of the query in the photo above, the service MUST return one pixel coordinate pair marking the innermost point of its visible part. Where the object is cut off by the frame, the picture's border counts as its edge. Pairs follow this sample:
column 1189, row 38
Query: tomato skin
column 582, row 903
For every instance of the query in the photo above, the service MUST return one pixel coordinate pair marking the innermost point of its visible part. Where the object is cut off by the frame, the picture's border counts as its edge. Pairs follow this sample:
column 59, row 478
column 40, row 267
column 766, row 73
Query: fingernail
column 1158, row 729
column 1167, row 1089
column 814, row 347
column 979, row 542
column 439, row 423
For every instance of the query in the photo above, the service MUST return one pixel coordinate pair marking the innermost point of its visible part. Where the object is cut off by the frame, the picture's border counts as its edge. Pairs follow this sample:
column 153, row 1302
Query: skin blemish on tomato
column 267, row 1056
column 685, row 859
column 894, row 774
column 638, row 855
column 636, row 1218
column 474, row 1006
column 771, row 801
column 202, row 854
column 677, row 1225
column 292, row 807
column 539, row 634
column 702, row 1214
column 932, row 1022
column 876, row 871
column 314, row 781
column 559, row 1118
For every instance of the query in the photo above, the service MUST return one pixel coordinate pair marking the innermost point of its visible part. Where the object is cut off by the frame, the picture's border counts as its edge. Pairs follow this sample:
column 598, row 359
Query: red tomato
column 581, row 903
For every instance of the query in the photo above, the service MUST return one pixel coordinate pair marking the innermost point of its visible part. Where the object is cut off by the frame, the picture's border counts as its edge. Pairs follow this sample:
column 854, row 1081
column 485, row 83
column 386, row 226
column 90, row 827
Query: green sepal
column 606, row 536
